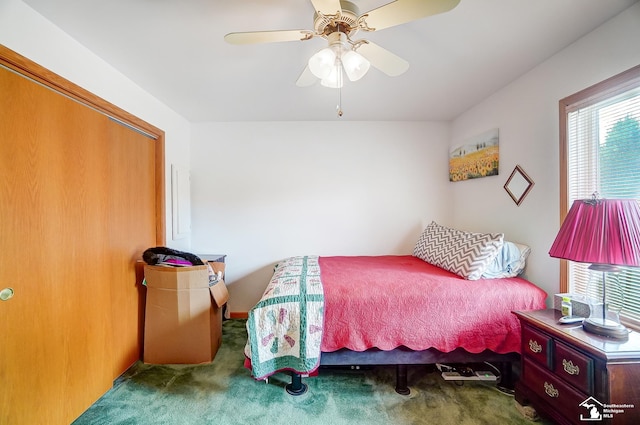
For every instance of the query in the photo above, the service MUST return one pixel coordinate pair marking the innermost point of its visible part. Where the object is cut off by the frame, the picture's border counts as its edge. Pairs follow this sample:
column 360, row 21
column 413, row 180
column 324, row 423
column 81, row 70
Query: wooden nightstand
column 568, row 374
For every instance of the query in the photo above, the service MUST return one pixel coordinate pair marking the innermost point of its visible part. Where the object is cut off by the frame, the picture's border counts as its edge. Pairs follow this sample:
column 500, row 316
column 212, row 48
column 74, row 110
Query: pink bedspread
column 392, row 301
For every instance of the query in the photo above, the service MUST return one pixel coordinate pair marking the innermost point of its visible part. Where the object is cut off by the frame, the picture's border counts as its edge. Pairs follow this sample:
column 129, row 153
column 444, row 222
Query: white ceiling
column 174, row 49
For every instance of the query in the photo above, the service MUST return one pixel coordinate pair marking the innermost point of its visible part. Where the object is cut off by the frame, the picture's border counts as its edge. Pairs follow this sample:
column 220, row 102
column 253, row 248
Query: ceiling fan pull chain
column 340, row 82
column 339, row 107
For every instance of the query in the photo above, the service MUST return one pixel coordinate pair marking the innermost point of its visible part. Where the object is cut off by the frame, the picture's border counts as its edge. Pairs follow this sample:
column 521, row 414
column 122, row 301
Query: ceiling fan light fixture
column 355, row 65
column 334, row 80
column 322, row 63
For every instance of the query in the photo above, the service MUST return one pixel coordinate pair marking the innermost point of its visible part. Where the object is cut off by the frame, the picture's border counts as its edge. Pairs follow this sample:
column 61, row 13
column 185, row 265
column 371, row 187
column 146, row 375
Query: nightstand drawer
column 557, row 393
column 574, row 367
column 537, row 346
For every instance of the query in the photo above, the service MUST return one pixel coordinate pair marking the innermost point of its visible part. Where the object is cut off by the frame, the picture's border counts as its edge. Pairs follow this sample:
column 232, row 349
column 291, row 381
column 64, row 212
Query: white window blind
column 603, row 157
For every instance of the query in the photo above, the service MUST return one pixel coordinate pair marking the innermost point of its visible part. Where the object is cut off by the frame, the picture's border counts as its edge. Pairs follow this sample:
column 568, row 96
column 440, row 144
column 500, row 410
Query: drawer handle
column 550, row 390
column 534, row 346
column 570, row 368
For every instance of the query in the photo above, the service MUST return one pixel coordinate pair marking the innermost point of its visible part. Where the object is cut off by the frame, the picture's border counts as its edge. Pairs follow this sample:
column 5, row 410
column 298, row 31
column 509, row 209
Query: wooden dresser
column 574, row 377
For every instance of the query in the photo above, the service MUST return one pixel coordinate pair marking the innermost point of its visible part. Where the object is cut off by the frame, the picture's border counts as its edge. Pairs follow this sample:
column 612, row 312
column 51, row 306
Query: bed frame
column 402, row 357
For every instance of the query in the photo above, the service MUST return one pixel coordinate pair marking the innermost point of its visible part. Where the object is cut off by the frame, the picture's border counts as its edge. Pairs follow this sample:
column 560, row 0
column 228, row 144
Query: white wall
column 526, row 112
column 264, row 191
column 26, row 32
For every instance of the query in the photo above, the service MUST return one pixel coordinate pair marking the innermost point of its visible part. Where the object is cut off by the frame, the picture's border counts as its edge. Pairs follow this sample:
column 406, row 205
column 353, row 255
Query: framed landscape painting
column 476, row 157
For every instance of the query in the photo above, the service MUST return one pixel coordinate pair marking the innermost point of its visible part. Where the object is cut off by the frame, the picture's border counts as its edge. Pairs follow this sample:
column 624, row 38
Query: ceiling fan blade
column 327, row 7
column 267, row 36
column 403, row 11
column 306, row 78
column 383, row 59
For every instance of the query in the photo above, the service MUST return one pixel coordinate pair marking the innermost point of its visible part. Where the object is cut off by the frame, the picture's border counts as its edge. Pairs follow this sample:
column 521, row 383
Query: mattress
column 391, row 301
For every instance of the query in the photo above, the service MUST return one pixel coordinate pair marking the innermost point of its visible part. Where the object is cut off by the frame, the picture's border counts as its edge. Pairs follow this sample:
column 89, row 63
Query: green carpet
column 223, row 392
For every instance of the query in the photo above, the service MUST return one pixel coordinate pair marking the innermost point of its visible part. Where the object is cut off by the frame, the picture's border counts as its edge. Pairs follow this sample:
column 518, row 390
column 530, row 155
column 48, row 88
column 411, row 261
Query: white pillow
column 463, row 253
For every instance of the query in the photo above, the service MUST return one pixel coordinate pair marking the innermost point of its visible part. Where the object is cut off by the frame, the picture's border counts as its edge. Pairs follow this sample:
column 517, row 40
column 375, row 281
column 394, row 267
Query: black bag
column 159, row 254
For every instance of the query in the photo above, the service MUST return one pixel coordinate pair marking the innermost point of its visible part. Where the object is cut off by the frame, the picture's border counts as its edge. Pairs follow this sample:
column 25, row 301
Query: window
column 600, row 153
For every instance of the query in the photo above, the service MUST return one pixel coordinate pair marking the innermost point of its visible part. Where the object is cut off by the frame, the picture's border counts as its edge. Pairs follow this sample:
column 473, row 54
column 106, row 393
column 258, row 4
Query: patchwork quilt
column 285, row 327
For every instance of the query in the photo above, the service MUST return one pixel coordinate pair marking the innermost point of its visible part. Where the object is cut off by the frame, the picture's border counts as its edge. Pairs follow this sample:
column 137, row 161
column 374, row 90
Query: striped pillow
column 463, row 253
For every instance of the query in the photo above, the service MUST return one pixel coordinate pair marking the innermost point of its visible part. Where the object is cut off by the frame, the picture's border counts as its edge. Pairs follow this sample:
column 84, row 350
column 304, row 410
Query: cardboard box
column 218, row 291
column 183, row 315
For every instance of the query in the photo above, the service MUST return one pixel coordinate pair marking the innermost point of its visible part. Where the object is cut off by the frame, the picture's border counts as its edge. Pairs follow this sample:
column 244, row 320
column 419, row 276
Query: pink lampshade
column 602, row 231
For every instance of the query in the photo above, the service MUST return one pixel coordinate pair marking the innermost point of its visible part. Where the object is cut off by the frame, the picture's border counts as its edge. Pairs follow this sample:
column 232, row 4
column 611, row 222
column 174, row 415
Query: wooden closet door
column 70, row 231
column 55, row 340
column 131, row 230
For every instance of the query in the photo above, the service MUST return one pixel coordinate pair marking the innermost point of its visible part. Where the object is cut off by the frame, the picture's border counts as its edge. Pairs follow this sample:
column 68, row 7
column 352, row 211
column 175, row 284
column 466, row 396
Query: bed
column 390, row 310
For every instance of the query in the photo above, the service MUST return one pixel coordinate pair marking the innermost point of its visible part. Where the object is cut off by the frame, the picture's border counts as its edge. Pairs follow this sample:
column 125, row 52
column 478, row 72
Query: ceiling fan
column 338, row 21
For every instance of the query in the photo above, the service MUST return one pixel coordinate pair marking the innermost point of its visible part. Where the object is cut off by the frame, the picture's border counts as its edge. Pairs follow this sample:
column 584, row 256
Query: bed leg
column 296, row 387
column 401, row 380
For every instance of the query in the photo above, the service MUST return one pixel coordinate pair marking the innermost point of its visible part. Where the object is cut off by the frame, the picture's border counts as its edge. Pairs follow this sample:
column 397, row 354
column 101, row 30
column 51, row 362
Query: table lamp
column 605, row 233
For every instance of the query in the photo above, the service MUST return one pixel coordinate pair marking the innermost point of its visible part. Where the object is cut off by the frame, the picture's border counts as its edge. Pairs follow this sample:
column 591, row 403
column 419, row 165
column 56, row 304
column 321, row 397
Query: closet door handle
column 6, row 294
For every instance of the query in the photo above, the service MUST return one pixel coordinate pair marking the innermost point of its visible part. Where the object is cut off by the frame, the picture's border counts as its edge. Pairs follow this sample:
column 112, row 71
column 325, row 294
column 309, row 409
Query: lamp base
column 608, row 328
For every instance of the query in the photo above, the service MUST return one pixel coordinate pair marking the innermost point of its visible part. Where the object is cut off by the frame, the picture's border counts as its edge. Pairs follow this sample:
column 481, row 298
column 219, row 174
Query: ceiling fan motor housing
column 344, row 21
